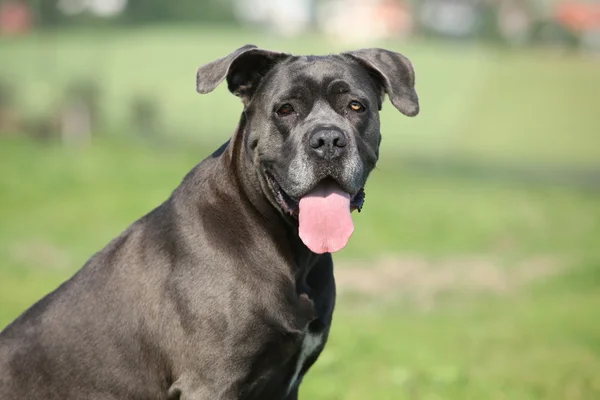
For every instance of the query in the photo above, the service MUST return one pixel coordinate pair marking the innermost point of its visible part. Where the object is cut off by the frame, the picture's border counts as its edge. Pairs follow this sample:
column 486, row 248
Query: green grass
column 539, row 340
column 543, row 345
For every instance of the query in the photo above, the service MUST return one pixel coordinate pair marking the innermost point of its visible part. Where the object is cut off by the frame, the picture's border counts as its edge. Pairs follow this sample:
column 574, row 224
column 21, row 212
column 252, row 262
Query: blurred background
column 474, row 270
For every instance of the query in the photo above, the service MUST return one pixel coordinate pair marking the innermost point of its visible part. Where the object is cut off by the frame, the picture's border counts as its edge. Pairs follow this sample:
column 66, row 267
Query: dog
column 226, row 290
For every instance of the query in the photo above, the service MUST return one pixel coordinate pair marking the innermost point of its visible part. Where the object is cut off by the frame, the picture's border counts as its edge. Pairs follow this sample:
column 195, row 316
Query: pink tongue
column 325, row 221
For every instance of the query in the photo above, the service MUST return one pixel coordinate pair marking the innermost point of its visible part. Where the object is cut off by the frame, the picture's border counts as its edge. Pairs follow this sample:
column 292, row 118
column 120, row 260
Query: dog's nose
column 328, row 143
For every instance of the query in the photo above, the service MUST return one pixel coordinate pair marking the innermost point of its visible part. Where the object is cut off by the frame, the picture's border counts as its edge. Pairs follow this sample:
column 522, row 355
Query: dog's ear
column 243, row 70
column 396, row 75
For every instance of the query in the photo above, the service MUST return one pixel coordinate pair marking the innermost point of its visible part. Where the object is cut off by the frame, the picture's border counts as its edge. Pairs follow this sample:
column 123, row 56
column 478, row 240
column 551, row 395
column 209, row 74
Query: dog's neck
column 238, row 162
column 236, row 165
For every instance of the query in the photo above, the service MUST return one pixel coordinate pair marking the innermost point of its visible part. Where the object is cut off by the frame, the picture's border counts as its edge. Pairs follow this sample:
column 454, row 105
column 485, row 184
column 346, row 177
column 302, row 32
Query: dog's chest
column 311, row 344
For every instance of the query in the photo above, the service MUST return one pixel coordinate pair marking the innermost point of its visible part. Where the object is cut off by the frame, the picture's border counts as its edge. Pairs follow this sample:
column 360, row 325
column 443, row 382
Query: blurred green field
column 521, row 329
column 479, row 102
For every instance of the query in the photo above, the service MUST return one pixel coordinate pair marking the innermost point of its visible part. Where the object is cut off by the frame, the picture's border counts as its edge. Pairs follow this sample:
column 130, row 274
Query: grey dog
column 226, row 290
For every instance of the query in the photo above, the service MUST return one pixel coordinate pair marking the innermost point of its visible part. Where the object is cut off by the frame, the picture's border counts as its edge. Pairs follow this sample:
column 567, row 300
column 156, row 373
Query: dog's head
column 312, row 128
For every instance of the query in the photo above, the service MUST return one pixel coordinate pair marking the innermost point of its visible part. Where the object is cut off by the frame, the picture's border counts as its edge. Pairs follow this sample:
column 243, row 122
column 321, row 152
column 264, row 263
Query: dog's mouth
column 323, row 213
column 290, row 205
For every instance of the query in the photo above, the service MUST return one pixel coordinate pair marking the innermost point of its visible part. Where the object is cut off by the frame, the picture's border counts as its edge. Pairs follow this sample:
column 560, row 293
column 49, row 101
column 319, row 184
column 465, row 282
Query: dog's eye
column 357, row 106
column 285, row 109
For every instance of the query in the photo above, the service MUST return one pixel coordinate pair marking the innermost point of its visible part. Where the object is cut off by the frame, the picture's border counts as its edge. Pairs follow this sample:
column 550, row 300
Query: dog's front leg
column 186, row 390
column 201, row 394
column 293, row 395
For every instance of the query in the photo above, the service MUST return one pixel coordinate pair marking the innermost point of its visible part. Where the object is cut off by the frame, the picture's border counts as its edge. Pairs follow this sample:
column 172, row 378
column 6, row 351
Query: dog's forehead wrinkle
column 319, row 70
column 304, row 84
